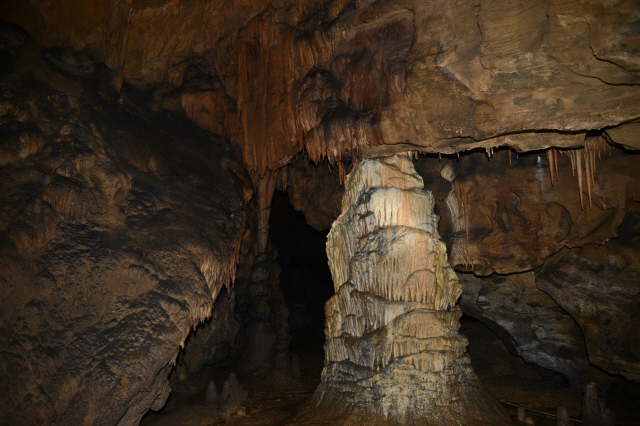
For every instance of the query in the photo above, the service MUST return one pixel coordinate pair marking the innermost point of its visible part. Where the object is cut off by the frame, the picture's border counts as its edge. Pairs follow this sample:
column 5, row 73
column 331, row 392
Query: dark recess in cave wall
column 305, row 279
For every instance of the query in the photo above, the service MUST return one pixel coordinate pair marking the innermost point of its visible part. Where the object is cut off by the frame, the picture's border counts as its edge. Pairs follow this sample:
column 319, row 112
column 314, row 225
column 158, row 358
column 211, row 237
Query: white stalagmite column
column 393, row 349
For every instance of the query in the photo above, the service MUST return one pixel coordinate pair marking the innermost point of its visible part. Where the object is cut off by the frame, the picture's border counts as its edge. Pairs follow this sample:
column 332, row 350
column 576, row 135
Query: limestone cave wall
column 133, row 134
column 115, row 240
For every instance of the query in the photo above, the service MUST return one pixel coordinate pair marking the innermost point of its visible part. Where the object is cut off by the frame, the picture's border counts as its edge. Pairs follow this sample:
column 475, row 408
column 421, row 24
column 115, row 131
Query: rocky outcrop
column 504, row 214
column 118, row 229
column 393, row 350
column 531, row 323
column 315, row 190
column 212, row 342
column 599, row 286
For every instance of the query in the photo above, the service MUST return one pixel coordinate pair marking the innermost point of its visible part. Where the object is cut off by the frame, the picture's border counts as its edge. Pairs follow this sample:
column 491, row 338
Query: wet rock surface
column 118, row 229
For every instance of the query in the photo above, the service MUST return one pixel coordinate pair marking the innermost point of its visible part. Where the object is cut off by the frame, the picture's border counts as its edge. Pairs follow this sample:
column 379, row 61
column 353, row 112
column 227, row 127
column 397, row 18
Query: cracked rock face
column 393, row 350
column 575, row 313
column 534, row 325
column 599, row 286
column 114, row 242
column 563, row 254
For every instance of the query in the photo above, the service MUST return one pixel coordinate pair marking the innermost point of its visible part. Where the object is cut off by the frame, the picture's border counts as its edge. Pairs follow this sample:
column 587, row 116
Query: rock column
column 393, row 349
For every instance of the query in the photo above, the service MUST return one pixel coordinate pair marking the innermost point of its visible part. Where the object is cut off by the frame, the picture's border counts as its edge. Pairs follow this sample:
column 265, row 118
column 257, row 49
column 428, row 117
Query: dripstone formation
column 393, row 349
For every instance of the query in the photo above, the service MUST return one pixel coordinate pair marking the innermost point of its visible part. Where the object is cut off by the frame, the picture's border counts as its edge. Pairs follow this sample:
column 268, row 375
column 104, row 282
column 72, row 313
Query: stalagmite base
column 393, row 350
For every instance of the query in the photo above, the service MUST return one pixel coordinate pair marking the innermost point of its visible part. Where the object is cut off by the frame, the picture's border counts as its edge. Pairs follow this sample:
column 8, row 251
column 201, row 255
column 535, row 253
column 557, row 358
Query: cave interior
column 327, row 212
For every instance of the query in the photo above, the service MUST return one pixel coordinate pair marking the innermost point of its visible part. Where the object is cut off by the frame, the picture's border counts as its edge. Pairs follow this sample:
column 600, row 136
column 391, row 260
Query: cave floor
column 506, row 377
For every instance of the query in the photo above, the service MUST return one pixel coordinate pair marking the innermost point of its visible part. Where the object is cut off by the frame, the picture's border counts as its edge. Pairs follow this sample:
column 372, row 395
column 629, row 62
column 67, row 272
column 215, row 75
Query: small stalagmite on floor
column 393, row 350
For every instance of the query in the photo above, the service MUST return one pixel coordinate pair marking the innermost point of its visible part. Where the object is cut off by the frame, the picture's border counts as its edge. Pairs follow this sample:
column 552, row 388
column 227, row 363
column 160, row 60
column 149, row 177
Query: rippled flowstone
column 393, row 349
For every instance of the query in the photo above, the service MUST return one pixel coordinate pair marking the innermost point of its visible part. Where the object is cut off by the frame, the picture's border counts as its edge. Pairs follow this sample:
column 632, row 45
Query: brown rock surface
column 336, row 77
column 213, row 341
column 315, row 190
column 115, row 240
column 515, row 217
column 599, row 286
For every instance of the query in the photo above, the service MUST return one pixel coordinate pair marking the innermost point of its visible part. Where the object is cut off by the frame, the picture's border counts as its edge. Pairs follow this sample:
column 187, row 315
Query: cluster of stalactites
column 583, row 165
column 218, row 276
column 585, row 157
column 313, row 88
column 404, row 264
column 373, row 332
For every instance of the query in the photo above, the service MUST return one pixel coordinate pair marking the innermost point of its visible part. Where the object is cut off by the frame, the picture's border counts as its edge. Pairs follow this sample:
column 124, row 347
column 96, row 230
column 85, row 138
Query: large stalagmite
column 393, row 349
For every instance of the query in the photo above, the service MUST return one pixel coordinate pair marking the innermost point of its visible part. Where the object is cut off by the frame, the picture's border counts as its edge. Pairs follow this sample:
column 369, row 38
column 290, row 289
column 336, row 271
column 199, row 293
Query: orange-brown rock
column 509, row 218
column 315, row 190
column 335, row 78
column 115, row 240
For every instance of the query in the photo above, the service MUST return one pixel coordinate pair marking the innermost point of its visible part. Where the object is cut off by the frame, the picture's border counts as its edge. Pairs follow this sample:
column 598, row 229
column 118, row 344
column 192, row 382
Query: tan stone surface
column 393, row 349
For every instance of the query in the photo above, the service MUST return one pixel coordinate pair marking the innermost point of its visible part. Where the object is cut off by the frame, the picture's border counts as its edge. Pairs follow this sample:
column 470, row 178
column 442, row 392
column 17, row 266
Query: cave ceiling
column 342, row 78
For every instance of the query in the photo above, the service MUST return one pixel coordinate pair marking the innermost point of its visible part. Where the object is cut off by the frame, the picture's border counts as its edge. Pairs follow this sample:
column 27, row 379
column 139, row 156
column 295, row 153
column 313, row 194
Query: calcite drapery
column 393, row 350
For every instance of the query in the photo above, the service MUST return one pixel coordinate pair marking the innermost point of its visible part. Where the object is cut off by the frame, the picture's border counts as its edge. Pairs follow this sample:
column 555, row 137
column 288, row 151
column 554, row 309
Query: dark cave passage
column 305, row 278
column 305, row 283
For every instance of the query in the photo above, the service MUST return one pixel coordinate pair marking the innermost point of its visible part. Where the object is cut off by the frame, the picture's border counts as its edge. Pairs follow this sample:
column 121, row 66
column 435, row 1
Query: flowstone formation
column 393, row 349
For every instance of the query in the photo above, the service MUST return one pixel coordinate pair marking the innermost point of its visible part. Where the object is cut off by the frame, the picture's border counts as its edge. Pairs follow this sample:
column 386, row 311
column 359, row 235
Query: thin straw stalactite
column 550, row 160
column 579, row 170
column 552, row 157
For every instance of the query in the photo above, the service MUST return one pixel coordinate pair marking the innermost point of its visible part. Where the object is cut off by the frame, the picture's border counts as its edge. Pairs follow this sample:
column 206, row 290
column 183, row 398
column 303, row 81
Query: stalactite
column 583, row 163
column 552, row 158
column 462, row 195
column 489, row 151
column 293, row 95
